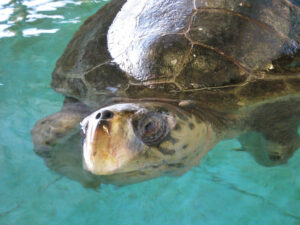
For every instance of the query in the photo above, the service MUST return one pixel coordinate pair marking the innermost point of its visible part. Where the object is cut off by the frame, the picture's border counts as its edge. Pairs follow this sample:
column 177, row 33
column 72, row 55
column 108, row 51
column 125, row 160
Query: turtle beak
column 106, row 146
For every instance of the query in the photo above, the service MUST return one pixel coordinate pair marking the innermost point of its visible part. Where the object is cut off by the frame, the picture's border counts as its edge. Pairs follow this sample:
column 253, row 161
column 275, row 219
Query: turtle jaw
column 109, row 143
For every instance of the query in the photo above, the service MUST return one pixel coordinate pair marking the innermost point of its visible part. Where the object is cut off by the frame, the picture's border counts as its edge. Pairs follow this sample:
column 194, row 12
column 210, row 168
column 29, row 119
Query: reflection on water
column 36, row 32
column 13, row 13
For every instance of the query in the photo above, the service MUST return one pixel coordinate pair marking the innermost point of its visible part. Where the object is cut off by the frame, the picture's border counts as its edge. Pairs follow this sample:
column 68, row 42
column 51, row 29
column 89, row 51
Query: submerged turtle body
column 197, row 71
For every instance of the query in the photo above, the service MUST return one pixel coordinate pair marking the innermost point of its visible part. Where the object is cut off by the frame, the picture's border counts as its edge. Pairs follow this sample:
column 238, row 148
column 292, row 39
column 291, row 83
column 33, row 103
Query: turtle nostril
column 98, row 116
column 107, row 115
column 104, row 115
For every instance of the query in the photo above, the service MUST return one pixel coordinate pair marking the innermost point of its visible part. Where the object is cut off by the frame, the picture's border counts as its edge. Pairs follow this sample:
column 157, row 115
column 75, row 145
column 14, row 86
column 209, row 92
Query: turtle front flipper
column 57, row 140
column 51, row 129
column 273, row 136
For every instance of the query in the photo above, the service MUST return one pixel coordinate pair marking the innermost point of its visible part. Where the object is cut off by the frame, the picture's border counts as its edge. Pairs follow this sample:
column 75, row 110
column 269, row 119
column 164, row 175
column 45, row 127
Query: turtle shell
column 175, row 48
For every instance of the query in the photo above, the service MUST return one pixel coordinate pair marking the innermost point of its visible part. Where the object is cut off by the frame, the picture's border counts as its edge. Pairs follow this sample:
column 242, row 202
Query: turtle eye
column 151, row 128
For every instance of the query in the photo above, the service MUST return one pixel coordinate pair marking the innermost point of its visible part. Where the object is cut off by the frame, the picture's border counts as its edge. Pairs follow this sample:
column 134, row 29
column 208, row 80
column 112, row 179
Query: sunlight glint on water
column 228, row 188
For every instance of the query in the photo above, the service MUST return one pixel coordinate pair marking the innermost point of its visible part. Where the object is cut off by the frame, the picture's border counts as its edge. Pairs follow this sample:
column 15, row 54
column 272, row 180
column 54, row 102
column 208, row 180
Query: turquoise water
column 229, row 187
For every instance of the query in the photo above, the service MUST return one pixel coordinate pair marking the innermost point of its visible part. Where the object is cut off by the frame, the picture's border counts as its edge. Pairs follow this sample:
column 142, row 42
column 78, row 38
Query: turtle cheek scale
column 187, row 143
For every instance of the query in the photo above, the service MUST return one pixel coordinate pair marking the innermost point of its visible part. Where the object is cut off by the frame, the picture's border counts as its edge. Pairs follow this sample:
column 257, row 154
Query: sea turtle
column 156, row 84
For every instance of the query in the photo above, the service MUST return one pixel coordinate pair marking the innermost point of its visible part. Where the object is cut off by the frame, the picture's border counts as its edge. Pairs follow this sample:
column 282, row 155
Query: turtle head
column 143, row 139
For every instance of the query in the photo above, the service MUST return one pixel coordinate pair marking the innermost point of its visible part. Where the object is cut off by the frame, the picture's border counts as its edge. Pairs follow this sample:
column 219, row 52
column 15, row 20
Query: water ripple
column 35, row 16
column 37, row 32
column 4, row 32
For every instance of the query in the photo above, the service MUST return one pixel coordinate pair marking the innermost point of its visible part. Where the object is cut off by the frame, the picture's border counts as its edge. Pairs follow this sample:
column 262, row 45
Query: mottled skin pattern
column 227, row 68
